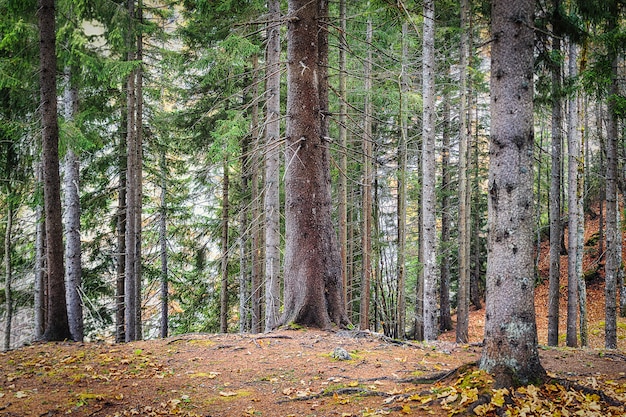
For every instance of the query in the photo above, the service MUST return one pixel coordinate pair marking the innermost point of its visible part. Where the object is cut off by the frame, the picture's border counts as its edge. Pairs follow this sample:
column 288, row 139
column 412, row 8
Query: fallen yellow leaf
column 228, row 393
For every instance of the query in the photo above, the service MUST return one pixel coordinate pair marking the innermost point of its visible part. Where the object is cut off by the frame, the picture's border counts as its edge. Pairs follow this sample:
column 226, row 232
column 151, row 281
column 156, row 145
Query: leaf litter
column 292, row 372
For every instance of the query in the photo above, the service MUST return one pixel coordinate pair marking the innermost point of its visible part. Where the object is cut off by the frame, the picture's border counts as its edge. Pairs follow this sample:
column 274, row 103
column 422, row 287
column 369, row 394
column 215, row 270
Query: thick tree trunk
column 429, row 199
column 73, row 266
column 366, row 196
column 312, row 261
column 555, row 198
column 57, row 327
column 574, row 218
column 462, row 312
column 272, row 171
column 510, row 352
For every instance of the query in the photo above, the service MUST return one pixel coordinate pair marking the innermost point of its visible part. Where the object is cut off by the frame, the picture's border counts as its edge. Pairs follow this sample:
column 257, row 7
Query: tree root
column 603, row 396
column 363, row 392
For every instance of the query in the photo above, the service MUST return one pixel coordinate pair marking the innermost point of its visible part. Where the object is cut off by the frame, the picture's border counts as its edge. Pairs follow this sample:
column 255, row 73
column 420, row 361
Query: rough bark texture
column 312, row 263
column 57, row 327
column 429, row 199
column 343, row 140
column 613, row 234
column 256, row 229
column 366, row 193
column 462, row 322
column 71, row 180
column 510, row 351
column 573, row 156
column 555, row 199
column 272, row 171
column 445, row 317
column 120, row 267
column 164, row 327
column 402, row 187
column 8, row 278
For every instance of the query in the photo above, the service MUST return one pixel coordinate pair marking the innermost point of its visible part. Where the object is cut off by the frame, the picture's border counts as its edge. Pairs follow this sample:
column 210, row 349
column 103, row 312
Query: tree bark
column 510, row 352
column 555, row 197
column 57, row 327
column 574, row 218
column 312, row 261
column 73, row 267
column 462, row 312
column 272, row 171
column 8, row 277
column 613, row 234
column 429, row 199
column 445, row 317
column 343, row 140
column 366, row 196
column 402, row 186
column 120, row 269
column 164, row 327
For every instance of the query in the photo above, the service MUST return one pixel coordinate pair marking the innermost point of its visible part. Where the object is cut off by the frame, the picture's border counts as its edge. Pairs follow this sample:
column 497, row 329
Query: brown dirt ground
column 287, row 373
column 275, row 374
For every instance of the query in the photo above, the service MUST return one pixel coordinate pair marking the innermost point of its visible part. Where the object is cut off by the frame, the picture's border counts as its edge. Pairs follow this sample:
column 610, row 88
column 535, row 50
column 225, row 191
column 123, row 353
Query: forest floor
column 295, row 373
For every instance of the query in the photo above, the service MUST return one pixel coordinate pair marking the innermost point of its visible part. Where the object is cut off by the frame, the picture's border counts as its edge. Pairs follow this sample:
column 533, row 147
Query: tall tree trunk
column 555, row 197
column 601, row 215
column 476, row 224
column 613, row 233
column 164, row 327
column 574, row 218
column 120, row 271
column 8, row 277
column 582, row 285
column 134, row 174
column 445, row 317
column 224, row 245
column 312, row 260
column 343, row 141
column 73, row 268
column 256, row 230
column 249, row 230
column 401, row 174
column 366, row 201
column 510, row 352
column 462, row 312
column 139, row 174
column 130, row 280
column 272, row 171
column 429, row 199
column 57, row 327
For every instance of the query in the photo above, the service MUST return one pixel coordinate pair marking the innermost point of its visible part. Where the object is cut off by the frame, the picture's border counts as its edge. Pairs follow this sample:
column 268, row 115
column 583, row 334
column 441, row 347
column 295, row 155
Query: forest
column 192, row 166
